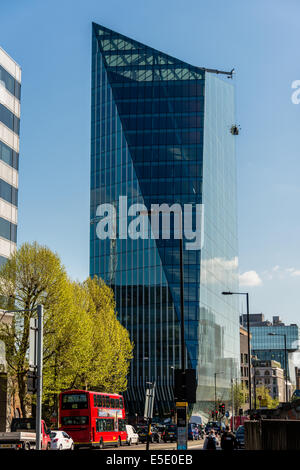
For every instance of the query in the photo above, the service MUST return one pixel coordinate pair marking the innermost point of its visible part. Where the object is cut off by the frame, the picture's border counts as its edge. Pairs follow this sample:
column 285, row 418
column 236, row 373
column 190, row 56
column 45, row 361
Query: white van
column 132, row 435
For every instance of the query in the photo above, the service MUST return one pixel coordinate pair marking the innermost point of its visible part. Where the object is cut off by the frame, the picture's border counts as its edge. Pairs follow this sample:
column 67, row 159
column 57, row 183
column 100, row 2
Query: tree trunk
column 22, row 394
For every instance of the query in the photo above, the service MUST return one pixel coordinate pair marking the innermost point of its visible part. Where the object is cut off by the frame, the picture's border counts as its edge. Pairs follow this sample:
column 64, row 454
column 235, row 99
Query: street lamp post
column 39, row 368
column 249, row 350
column 286, row 362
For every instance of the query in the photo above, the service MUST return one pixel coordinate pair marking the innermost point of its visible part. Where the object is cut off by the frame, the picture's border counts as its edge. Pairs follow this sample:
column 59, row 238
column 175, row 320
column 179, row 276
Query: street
column 162, row 446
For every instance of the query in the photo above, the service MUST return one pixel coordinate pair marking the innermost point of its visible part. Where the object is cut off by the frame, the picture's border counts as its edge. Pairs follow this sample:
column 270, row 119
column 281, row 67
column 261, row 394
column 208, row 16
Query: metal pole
column 149, row 433
column 249, row 354
column 254, row 385
column 182, row 430
column 286, row 370
column 232, row 388
column 39, row 378
column 215, row 392
column 182, row 300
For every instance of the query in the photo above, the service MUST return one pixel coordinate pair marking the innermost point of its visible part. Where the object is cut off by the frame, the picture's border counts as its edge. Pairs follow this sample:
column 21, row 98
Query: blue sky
column 51, row 40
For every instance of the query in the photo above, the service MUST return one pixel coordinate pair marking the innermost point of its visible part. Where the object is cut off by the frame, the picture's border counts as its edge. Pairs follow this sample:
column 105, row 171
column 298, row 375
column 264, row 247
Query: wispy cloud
column 294, row 272
column 278, row 272
column 250, row 279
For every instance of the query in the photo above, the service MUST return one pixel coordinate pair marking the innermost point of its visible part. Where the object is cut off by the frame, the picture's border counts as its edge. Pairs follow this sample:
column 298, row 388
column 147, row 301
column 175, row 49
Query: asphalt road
column 162, row 446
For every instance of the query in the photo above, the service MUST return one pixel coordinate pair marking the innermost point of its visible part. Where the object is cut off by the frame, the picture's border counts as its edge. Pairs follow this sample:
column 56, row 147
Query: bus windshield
column 74, row 401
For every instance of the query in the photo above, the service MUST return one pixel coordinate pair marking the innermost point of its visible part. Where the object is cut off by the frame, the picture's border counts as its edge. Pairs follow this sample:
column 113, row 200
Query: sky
column 51, row 40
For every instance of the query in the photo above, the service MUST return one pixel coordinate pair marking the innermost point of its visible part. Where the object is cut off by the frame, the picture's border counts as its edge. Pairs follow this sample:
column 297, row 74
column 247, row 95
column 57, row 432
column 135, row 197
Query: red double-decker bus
column 93, row 419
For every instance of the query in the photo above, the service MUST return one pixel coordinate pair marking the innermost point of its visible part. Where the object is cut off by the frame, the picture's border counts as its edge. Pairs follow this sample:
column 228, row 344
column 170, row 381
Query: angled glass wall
column 156, row 138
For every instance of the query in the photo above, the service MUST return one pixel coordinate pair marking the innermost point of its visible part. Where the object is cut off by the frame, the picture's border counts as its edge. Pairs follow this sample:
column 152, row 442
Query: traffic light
column 222, row 409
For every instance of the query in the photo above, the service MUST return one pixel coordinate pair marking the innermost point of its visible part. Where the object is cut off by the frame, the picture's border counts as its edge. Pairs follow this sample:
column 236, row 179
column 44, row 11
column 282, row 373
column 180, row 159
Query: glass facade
column 161, row 134
column 271, row 347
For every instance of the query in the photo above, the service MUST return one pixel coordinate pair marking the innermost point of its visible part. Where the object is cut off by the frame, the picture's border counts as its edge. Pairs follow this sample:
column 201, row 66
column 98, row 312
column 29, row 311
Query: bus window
column 74, row 401
column 109, row 424
column 122, row 425
column 100, row 425
column 74, row 420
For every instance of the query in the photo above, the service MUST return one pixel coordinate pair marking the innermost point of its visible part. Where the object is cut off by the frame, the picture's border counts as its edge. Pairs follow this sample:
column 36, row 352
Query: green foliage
column 85, row 346
column 240, row 395
column 266, row 399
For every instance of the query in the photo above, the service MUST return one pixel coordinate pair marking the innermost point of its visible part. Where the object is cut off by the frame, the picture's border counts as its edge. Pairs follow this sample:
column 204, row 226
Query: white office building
column 10, row 91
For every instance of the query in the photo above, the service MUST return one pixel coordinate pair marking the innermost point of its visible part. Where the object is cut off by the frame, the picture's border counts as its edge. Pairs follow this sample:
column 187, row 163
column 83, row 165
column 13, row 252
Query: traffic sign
column 149, row 402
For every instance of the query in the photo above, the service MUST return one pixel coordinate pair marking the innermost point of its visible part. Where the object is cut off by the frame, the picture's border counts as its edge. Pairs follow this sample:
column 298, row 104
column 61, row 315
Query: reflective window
column 9, row 119
column 10, row 83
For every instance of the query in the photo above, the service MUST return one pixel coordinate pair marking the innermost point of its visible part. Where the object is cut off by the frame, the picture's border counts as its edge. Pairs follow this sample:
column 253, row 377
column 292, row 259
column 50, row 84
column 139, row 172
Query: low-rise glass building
column 268, row 341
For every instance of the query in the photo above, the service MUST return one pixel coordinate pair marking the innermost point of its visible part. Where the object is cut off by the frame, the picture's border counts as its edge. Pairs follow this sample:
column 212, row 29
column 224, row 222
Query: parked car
column 193, row 432
column 216, row 426
column 201, row 430
column 60, row 440
column 240, row 437
column 170, row 433
column 132, row 435
column 154, row 435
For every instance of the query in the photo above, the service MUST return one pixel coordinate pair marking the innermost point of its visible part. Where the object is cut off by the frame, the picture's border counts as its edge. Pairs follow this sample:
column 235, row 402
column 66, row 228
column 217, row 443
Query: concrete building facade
column 10, row 95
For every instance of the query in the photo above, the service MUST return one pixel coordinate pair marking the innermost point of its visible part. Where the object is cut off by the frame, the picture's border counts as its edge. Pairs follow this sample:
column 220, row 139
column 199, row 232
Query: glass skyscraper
column 10, row 91
column 161, row 133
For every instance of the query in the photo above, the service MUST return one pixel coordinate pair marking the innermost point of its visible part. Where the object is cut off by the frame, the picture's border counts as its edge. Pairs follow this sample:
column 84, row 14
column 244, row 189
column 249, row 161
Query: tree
column 111, row 343
column 84, row 343
column 264, row 398
column 240, row 396
column 33, row 275
column 67, row 347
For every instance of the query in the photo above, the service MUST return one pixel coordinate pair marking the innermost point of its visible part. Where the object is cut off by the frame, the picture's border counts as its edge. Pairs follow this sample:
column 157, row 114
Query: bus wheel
column 129, row 442
column 101, row 445
column 118, row 443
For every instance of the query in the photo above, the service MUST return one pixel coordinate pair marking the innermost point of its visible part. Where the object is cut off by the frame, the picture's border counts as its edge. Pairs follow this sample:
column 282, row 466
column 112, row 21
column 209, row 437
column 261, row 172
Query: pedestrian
column 228, row 440
column 210, row 442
